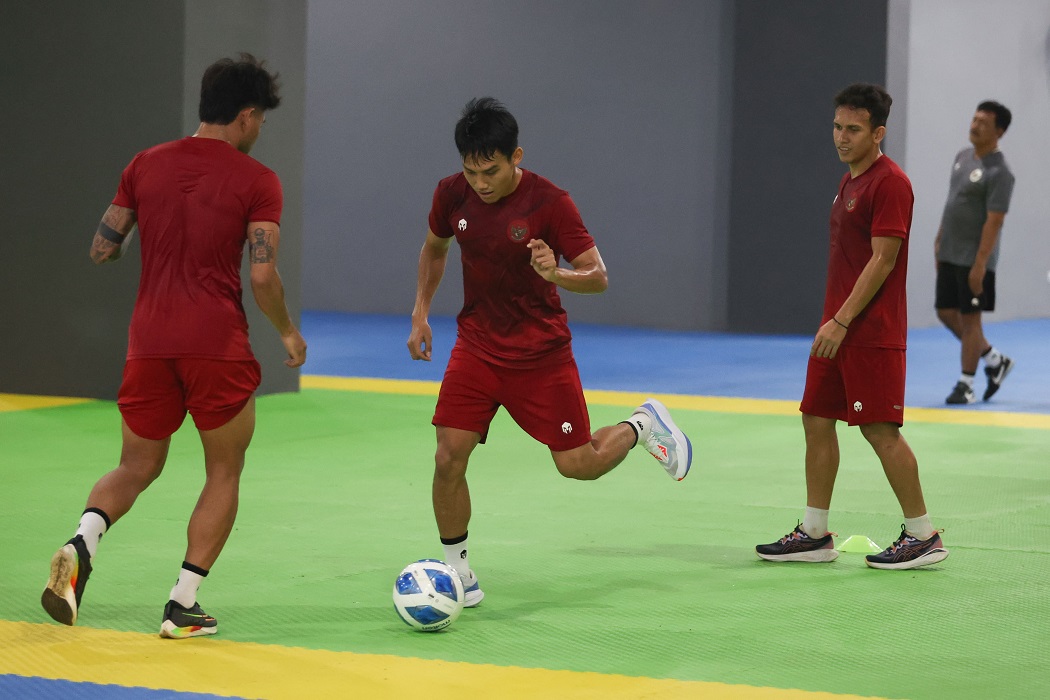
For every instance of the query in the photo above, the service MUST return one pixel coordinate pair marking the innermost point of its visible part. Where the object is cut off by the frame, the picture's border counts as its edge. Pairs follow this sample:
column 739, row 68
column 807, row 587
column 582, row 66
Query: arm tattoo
column 260, row 249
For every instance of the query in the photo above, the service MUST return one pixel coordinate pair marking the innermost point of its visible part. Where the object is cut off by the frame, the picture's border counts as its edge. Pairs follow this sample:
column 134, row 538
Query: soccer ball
column 428, row 595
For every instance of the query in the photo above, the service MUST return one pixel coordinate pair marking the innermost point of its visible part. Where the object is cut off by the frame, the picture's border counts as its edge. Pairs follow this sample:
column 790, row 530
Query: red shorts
column 157, row 392
column 547, row 402
column 860, row 386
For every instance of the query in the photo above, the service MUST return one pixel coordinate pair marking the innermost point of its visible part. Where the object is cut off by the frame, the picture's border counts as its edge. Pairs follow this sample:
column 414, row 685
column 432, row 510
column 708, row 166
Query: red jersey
column 511, row 316
column 877, row 203
column 193, row 199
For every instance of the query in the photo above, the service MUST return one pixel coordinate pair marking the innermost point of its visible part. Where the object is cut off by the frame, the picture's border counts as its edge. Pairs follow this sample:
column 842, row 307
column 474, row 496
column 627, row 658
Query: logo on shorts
column 976, row 174
column 518, row 230
column 851, row 204
column 858, row 406
column 898, row 408
column 462, row 224
column 566, row 427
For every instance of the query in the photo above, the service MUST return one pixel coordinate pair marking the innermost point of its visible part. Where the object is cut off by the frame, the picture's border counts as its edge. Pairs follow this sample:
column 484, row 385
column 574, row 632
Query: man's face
column 492, row 179
column 855, row 140
column 982, row 130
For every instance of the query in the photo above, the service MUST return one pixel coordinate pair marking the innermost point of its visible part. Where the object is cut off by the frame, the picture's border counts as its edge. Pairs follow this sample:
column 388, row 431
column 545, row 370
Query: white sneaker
column 666, row 441
column 472, row 593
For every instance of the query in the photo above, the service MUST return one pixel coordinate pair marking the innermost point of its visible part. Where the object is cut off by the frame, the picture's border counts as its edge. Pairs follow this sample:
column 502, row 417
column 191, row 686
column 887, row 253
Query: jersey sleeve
column 892, row 208
column 1000, row 188
column 569, row 237
column 125, row 196
column 267, row 199
column 439, row 211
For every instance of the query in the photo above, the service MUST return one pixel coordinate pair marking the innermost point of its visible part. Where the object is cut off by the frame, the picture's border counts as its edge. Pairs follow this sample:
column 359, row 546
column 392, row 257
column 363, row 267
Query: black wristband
column 840, row 323
column 110, row 234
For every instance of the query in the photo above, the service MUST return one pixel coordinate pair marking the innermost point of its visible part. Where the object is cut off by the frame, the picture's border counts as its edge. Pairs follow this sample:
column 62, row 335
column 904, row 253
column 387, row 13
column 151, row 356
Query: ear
column 515, row 157
column 245, row 115
column 879, row 134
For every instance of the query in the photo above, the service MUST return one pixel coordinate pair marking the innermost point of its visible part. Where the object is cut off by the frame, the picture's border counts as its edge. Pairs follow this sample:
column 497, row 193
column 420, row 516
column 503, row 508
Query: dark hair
column 1002, row 114
column 484, row 128
column 228, row 86
column 873, row 98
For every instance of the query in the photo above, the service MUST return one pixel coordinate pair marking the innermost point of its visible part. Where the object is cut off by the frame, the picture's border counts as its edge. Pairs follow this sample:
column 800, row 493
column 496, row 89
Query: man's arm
column 587, row 276
column 113, row 234
column 264, row 238
column 993, row 224
column 884, row 251
column 432, row 259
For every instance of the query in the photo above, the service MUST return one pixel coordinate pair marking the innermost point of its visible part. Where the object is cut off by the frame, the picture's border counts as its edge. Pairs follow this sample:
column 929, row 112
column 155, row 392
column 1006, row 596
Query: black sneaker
column 909, row 553
column 180, row 622
column 996, row 375
column 961, row 394
column 70, row 569
column 798, row 546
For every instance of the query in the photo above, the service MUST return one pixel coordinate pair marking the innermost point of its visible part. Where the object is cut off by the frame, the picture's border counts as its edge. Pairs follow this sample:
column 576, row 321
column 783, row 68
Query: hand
column 543, row 259
column 420, row 341
column 976, row 278
column 828, row 339
column 295, row 346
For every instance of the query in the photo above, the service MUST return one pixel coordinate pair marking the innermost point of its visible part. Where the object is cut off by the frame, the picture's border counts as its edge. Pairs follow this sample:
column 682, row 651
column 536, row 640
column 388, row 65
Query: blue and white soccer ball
column 428, row 595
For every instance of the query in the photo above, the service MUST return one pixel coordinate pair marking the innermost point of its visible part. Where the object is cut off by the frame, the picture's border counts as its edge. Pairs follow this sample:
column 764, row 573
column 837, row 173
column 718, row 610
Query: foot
column 798, row 546
column 666, row 441
column 472, row 593
column 909, row 553
column 996, row 376
column 180, row 622
column 70, row 569
column 961, row 394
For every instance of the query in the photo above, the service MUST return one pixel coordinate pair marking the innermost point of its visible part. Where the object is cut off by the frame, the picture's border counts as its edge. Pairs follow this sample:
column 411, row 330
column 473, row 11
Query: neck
column 982, row 151
column 859, row 168
column 213, row 131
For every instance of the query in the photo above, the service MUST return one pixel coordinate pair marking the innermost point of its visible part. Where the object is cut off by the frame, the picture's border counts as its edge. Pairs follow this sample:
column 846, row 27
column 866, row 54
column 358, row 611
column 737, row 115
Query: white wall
column 960, row 52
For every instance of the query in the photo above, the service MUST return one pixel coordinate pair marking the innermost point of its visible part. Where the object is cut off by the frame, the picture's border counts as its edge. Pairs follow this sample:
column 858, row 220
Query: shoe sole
column 473, row 598
column 994, row 386
column 665, row 417
column 168, row 630
column 59, row 600
column 814, row 557
column 931, row 557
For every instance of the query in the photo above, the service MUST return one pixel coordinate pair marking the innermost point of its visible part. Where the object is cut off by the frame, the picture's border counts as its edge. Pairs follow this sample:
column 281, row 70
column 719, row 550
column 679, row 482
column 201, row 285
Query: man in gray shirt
column 967, row 248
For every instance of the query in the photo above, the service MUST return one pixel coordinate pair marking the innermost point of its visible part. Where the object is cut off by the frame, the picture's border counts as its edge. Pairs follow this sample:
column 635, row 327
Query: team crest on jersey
column 851, row 204
column 518, row 230
column 976, row 174
column 462, row 224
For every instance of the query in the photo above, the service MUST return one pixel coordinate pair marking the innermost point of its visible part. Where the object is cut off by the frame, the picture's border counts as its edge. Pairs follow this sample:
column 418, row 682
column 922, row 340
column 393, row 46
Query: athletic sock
column 815, row 522
column 185, row 591
column 966, row 379
column 93, row 524
column 992, row 357
column 642, row 424
column 456, row 554
column 919, row 527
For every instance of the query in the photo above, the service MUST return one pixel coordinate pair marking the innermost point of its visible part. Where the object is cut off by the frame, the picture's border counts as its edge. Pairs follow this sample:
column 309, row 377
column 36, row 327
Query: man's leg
column 451, row 497
column 973, row 341
column 607, row 448
column 141, row 462
column 952, row 320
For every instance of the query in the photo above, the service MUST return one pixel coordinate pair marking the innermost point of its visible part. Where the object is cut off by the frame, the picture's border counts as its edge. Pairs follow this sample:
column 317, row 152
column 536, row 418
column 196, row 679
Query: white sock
column 92, row 527
column 992, row 357
column 920, row 527
column 966, row 379
column 456, row 557
column 815, row 522
column 642, row 423
column 185, row 590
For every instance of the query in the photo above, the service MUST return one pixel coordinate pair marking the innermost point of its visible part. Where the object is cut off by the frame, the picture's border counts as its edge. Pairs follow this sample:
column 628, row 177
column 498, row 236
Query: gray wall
column 960, row 52
column 623, row 103
column 95, row 84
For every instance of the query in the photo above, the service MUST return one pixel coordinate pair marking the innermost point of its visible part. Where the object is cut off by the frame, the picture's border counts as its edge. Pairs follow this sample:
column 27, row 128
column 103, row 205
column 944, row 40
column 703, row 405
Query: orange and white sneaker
column 180, row 622
column 70, row 569
column 665, row 440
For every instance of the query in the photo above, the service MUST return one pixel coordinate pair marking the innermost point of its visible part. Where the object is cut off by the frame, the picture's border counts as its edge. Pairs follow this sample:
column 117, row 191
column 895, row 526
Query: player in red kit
column 514, row 348
column 857, row 361
column 197, row 202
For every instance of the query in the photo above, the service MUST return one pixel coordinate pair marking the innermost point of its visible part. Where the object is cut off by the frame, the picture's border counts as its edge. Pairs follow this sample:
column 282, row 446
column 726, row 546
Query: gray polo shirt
column 977, row 186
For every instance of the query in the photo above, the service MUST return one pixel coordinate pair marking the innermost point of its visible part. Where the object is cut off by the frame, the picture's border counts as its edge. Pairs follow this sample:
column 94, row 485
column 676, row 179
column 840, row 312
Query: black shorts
column 953, row 290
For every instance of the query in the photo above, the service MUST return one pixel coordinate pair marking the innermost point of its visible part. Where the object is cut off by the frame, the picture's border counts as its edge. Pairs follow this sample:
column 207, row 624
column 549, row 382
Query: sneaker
column 996, row 375
column 666, row 441
column 909, row 553
column 472, row 593
column 961, row 394
column 180, row 622
column 70, row 569
column 798, row 546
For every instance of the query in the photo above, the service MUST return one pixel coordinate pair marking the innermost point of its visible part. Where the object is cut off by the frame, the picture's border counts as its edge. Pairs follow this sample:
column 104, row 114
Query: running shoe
column 472, row 593
column 909, row 553
column 798, row 546
column 666, row 440
column 961, row 394
column 180, row 622
column 70, row 569
column 996, row 375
